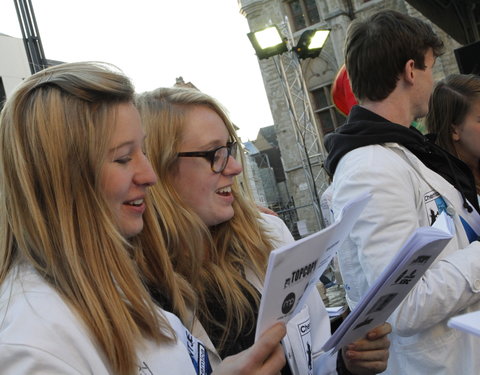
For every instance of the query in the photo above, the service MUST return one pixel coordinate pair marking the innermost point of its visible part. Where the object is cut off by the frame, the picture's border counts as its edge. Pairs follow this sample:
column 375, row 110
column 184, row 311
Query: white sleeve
column 389, row 217
column 326, row 206
column 277, row 229
column 25, row 360
column 383, row 227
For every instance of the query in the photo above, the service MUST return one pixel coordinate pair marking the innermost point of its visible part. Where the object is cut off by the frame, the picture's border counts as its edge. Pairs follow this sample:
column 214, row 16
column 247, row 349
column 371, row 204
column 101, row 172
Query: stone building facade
column 295, row 16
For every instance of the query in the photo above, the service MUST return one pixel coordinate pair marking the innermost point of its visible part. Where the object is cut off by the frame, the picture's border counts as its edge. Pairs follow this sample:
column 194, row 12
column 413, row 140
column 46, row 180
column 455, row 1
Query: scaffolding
column 309, row 142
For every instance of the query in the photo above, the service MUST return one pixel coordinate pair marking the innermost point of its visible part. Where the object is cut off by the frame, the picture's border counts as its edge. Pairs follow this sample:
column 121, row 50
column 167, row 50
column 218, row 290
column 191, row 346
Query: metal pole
column 31, row 37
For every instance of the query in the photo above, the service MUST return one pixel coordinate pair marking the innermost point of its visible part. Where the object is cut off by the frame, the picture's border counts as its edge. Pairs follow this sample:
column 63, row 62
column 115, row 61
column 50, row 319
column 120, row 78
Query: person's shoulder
column 26, row 295
column 272, row 222
column 373, row 158
column 35, row 320
column 365, row 153
column 277, row 229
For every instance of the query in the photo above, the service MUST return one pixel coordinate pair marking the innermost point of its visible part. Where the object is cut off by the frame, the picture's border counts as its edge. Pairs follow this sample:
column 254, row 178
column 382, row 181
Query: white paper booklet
column 392, row 286
column 467, row 322
column 294, row 269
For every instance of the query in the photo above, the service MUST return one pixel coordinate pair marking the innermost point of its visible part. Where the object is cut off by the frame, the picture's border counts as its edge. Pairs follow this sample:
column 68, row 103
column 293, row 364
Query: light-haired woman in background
column 216, row 236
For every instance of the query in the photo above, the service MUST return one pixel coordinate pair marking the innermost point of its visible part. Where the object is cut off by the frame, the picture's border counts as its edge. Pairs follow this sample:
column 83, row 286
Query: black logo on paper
column 382, row 302
column 300, row 274
column 405, row 278
column 422, row 259
column 288, row 303
column 366, row 322
column 144, row 369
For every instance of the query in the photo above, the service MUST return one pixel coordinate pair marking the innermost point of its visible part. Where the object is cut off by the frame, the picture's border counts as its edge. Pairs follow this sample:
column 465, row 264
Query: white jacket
column 40, row 334
column 406, row 195
column 324, row 364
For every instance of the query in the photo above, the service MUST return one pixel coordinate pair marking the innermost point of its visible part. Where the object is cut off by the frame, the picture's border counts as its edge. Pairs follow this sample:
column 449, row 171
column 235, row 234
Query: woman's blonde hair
column 54, row 134
column 212, row 259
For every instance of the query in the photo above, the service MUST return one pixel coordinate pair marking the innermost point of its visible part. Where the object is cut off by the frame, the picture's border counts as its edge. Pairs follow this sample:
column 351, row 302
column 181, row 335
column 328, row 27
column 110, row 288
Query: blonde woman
column 74, row 180
column 216, row 236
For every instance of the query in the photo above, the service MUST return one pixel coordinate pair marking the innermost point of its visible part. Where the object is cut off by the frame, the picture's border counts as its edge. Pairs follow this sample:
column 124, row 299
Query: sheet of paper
column 392, row 286
column 336, row 311
column 293, row 270
column 467, row 322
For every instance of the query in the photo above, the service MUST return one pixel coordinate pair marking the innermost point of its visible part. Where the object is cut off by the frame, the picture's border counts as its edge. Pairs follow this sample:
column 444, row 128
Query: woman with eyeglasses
column 216, row 236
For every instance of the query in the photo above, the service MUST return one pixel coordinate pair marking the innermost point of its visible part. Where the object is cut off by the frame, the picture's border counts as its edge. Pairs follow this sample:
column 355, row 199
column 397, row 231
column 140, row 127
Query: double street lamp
column 269, row 42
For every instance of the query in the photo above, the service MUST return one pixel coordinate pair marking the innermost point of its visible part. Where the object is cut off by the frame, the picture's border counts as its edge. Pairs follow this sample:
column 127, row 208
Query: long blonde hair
column 54, row 133
column 213, row 259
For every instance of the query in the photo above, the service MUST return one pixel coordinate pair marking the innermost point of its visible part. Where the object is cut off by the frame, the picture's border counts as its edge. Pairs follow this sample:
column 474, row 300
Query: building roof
column 250, row 147
column 269, row 133
column 266, row 138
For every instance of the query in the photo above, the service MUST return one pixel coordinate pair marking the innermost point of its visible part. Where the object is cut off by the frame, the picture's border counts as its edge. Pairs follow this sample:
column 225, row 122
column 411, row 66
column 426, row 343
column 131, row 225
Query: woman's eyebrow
column 124, row 144
column 214, row 143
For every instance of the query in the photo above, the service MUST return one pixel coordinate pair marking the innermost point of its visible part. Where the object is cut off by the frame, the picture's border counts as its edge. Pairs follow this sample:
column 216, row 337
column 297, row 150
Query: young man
column 389, row 59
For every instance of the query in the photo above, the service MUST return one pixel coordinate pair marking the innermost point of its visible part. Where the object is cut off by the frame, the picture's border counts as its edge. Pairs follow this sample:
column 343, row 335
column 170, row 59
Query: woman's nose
column 145, row 174
column 233, row 167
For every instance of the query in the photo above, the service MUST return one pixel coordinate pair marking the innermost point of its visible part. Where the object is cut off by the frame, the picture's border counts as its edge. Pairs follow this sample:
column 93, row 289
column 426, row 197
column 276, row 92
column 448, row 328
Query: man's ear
column 409, row 71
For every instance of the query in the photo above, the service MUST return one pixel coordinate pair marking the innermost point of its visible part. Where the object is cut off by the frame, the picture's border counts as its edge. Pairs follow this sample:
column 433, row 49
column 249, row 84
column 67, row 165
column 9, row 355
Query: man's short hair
column 377, row 49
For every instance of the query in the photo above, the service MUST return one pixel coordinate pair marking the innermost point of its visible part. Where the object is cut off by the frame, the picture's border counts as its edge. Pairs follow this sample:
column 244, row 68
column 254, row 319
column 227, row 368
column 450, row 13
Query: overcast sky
column 156, row 41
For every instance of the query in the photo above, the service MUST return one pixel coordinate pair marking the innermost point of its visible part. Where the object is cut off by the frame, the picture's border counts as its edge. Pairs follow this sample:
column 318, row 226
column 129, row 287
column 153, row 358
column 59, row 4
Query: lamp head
column 268, row 42
column 311, row 43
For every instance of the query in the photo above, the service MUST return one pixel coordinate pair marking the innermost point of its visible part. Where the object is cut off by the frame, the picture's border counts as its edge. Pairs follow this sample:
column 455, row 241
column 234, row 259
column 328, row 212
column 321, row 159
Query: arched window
column 302, row 13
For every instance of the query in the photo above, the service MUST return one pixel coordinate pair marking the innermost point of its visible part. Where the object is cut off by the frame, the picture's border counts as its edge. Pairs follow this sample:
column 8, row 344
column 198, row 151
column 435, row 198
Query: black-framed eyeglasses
column 218, row 158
